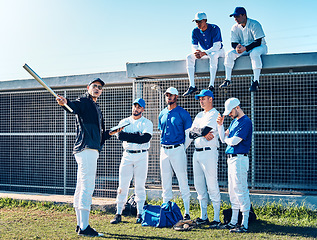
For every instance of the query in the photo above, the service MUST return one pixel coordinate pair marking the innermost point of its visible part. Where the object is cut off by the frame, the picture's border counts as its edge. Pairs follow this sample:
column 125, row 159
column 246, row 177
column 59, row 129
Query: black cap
column 97, row 80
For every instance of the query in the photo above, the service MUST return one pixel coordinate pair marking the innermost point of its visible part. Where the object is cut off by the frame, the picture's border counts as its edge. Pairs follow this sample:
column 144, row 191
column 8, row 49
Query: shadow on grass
column 261, row 226
column 132, row 237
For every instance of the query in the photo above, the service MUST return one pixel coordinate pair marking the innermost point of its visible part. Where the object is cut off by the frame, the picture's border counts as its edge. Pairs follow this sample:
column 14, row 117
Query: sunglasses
column 97, row 86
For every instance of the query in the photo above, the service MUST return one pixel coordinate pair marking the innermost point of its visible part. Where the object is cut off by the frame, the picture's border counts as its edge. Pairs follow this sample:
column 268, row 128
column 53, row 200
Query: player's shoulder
column 253, row 22
column 213, row 26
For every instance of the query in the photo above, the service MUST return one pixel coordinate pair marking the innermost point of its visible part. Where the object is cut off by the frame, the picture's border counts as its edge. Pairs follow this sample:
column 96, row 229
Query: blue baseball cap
column 96, row 80
column 204, row 93
column 238, row 11
column 140, row 101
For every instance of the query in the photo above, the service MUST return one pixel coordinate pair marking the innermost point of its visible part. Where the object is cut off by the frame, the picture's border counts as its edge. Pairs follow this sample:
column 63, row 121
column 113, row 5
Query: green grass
column 44, row 220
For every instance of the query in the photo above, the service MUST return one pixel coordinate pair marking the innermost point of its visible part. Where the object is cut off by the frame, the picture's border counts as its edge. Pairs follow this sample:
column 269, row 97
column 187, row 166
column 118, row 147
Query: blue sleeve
column 244, row 129
column 159, row 122
column 216, row 35
column 187, row 120
column 194, row 38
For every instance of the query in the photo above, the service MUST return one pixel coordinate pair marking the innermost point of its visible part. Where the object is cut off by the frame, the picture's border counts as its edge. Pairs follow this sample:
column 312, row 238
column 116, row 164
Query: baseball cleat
column 186, row 216
column 77, row 229
column 89, row 232
column 200, row 221
column 211, row 88
column 116, row 219
column 214, row 224
column 240, row 229
column 228, row 226
column 225, row 84
column 254, row 86
column 139, row 219
column 190, row 91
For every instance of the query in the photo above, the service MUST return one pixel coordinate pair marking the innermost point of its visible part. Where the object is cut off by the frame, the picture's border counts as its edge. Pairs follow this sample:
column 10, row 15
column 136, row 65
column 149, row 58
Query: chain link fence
column 37, row 136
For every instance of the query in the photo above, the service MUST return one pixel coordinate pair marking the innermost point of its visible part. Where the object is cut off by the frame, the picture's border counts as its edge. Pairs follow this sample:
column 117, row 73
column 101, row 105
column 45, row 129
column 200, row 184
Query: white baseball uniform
column 205, row 164
column 245, row 36
column 134, row 162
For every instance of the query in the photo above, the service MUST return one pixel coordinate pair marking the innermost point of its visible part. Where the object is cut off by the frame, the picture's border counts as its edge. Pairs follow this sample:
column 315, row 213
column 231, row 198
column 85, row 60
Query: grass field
column 42, row 220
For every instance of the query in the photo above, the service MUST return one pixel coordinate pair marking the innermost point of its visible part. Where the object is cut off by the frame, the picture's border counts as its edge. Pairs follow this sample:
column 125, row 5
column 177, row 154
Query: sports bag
column 166, row 215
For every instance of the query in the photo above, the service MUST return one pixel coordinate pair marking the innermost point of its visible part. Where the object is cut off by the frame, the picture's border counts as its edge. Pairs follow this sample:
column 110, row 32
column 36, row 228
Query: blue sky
column 70, row 37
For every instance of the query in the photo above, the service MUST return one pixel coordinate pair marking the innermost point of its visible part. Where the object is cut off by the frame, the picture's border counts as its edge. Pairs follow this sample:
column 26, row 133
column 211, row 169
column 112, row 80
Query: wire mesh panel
column 283, row 113
column 37, row 137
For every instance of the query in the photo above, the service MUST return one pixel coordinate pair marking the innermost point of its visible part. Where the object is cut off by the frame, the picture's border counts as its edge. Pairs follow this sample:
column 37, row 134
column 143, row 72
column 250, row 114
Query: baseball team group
column 177, row 133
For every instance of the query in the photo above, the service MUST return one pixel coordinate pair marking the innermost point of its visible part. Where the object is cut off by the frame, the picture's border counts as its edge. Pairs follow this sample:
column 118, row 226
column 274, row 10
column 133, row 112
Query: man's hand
column 116, row 131
column 240, row 48
column 220, row 119
column 209, row 136
column 199, row 54
column 61, row 100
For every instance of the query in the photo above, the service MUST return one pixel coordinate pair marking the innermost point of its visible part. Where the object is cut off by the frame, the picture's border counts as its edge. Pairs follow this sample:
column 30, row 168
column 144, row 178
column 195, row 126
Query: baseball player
column 205, row 159
column 91, row 135
column 238, row 138
column 208, row 37
column 135, row 141
column 247, row 38
column 174, row 123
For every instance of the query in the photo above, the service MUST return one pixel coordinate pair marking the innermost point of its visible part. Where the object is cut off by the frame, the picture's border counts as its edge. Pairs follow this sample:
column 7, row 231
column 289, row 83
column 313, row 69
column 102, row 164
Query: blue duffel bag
column 166, row 215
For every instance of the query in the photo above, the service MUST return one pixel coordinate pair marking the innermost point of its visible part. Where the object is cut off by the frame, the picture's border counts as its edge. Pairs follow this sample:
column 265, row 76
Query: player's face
column 170, row 98
column 137, row 110
column 234, row 113
column 240, row 19
column 205, row 102
column 95, row 89
column 202, row 24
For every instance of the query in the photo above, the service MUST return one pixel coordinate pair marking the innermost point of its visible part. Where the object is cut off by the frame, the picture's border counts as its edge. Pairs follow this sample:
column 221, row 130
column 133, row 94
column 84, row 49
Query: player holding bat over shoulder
column 90, row 138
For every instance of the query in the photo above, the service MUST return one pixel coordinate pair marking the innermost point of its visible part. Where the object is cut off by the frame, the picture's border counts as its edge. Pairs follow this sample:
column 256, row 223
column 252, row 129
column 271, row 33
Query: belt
column 235, row 155
column 202, row 149
column 171, row 146
column 136, row 151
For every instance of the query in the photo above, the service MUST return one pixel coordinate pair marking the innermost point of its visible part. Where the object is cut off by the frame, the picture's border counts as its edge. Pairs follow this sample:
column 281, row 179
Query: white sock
column 256, row 73
column 245, row 219
column 216, row 206
column 234, row 217
column 119, row 208
column 203, row 211
column 77, row 216
column 213, row 72
column 186, row 206
column 140, row 206
column 228, row 73
column 84, row 219
column 191, row 76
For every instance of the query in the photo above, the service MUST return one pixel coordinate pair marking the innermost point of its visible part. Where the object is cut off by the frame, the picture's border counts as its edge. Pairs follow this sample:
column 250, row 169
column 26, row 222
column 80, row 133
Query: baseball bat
column 40, row 80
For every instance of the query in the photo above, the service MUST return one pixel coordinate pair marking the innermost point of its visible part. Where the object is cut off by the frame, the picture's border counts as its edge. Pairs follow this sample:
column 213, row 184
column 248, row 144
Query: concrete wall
column 272, row 63
column 66, row 81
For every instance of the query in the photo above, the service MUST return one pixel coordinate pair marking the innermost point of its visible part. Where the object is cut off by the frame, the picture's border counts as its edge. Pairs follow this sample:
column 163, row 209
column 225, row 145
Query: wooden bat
column 40, row 80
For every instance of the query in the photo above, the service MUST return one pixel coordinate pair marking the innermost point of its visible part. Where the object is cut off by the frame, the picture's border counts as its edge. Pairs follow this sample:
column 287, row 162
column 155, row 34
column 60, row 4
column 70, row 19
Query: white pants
column 213, row 61
column 255, row 56
column 86, row 174
column 174, row 159
column 238, row 182
column 132, row 164
column 205, row 166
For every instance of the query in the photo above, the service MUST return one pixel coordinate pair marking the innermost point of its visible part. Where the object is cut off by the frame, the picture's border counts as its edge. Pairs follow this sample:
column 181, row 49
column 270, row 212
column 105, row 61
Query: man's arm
column 254, row 44
column 135, row 137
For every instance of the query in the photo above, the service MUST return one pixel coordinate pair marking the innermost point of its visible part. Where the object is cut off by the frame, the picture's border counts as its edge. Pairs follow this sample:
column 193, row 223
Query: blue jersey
column 241, row 128
column 207, row 38
column 173, row 125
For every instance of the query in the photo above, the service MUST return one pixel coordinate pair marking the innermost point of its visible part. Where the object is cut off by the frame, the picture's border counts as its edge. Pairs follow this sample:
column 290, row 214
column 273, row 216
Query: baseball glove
column 184, row 225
